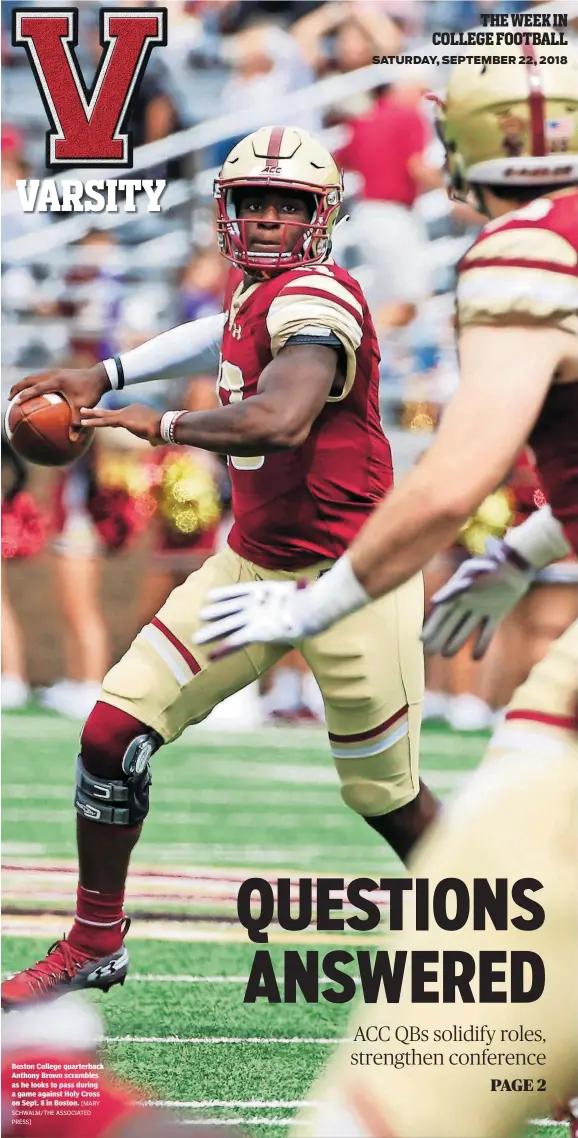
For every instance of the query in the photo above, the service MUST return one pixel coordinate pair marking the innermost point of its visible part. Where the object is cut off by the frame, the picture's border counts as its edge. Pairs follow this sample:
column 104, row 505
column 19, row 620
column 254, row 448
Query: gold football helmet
column 285, row 158
column 512, row 125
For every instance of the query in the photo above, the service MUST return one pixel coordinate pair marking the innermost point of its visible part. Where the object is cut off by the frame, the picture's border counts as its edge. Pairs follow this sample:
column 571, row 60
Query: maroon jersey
column 523, row 268
column 524, row 485
column 306, row 504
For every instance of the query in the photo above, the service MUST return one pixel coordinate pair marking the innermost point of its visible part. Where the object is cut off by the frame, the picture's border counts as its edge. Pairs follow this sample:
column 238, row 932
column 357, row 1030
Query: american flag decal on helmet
column 559, row 128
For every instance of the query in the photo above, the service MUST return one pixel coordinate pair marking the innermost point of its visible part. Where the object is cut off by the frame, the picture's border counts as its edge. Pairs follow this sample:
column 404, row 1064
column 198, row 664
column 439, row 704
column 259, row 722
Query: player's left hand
column 141, row 421
column 474, row 601
column 262, row 611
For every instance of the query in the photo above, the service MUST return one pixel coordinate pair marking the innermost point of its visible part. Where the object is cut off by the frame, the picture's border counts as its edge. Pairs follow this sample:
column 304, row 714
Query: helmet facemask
column 311, row 248
column 286, row 160
column 454, row 167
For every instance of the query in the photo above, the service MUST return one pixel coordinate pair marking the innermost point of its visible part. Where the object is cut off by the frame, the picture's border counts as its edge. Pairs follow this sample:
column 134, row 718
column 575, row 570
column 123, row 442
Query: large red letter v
column 86, row 125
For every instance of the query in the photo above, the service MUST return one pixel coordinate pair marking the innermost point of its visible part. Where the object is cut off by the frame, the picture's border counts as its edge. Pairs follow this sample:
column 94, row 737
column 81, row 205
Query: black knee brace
column 119, row 801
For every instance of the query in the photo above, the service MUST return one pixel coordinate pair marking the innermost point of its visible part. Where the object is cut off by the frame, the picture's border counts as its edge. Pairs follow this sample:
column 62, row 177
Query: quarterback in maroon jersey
column 298, row 380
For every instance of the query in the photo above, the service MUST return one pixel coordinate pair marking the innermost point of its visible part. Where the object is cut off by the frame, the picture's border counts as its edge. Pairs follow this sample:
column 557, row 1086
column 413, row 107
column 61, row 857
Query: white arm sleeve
column 540, row 539
column 171, row 354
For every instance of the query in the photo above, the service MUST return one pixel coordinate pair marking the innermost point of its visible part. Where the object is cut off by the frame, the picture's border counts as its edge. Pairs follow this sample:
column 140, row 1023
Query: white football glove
column 279, row 612
column 478, row 596
column 262, row 611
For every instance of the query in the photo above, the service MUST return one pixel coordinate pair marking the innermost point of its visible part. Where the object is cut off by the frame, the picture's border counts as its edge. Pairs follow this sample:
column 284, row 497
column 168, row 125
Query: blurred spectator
column 468, row 694
column 526, row 634
column 202, row 284
column 24, row 532
column 153, row 111
column 292, row 693
column 89, row 296
column 341, row 36
column 541, row 616
column 76, row 564
column 154, row 115
column 409, row 15
column 12, row 142
column 236, row 15
column 102, row 505
column 15, row 692
column 386, row 147
column 267, row 64
column 16, row 223
column 187, row 487
column 92, row 298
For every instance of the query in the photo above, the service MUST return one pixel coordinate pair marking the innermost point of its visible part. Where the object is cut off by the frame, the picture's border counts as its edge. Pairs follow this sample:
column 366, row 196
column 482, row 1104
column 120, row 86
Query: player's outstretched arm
column 485, row 589
column 506, row 373
column 171, row 354
column 291, row 393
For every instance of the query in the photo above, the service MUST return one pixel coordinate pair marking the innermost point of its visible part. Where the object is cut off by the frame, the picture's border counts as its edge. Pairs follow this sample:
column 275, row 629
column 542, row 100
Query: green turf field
column 264, row 804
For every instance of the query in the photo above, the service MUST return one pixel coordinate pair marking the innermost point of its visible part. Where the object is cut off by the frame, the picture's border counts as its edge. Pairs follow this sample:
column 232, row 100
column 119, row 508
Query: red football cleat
column 65, row 969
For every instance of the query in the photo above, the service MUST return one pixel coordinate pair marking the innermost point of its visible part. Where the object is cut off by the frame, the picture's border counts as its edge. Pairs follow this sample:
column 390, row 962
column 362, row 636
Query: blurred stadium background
column 127, row 524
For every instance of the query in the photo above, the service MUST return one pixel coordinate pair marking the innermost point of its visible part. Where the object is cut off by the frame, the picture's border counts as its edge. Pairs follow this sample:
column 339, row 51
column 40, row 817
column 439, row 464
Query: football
column 41, row 431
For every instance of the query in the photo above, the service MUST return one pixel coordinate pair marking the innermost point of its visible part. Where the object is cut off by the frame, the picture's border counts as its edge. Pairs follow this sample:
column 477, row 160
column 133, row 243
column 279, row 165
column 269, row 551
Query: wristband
column 540, row 539
column 115, row 372
column 334, row 595
column 168, row 423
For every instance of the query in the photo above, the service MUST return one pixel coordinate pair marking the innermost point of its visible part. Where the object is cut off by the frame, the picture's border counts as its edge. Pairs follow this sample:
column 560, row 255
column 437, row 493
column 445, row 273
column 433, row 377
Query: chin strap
column 341, row 221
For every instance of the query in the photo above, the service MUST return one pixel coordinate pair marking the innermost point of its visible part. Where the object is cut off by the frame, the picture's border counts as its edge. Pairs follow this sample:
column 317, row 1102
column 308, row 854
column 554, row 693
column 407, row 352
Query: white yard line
column 270, row 1104
column 202, row 885
column 295, row 1122
column 328, row 823
column 546, row 1122
column 216, row 876
column 217, row 1039
column 301, row 739
column 289, row 1104
column 235, row 1121
column 285, row 774
column 211, row 852
column 229, row 821
column 154, row 979
column 188, row 932
column 323, row 796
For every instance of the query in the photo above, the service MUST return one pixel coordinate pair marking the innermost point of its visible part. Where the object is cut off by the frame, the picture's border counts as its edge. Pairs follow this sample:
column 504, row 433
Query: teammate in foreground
column 515, row 819
column 511, row 135
column 309, row 461
column 517, row 308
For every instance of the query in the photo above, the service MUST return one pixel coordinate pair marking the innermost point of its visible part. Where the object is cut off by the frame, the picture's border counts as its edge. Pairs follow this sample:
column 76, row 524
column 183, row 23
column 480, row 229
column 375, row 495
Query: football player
column 298, row 380
column 511, row 136
column 516, row 818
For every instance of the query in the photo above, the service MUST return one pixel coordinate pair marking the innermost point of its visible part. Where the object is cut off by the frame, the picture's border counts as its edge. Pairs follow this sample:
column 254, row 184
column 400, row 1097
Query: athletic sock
column 97, row 924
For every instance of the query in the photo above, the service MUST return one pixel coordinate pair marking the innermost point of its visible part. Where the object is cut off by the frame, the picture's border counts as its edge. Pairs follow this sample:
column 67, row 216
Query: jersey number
column 230, row 379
